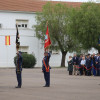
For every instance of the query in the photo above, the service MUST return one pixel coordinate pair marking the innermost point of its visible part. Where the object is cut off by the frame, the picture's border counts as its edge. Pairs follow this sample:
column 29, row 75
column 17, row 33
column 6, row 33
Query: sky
column 76, row 0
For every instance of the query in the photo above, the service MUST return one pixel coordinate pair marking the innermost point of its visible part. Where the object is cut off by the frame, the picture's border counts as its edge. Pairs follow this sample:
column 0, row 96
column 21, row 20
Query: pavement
column 63, row 86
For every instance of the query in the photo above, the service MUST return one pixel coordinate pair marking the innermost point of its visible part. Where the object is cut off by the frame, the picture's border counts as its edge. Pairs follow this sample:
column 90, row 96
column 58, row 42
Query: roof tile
column 28, row 5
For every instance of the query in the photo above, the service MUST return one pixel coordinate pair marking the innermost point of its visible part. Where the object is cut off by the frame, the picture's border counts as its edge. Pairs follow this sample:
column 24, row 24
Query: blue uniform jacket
column 79, row 61
column 75, row 60
column 88, row 62
column 46, row 59
column 98, row 61
column 19, row 63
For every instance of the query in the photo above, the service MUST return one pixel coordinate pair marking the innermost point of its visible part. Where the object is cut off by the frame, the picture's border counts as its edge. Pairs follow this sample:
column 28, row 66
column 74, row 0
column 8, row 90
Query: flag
column 7, row 40
column 17, row 38
column 47, row 39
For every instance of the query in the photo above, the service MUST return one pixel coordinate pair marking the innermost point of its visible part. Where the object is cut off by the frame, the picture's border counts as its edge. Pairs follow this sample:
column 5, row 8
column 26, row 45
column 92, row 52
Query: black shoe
column 46, row 86
column 18, row 87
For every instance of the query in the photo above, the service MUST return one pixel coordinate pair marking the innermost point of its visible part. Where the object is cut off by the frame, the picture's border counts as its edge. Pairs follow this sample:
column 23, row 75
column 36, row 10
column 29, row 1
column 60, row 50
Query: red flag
column 47, row 39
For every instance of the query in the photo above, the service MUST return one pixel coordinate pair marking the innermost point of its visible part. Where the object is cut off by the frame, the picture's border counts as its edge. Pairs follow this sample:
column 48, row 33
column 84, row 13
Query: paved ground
column 63, row 86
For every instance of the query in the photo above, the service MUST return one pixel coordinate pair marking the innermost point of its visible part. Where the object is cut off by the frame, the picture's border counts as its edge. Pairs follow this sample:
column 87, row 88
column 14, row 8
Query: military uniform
column 88, row 65
column 19, row 69
column 98, row 65
column 93, row 65
column 46, row 69
column 79, row 63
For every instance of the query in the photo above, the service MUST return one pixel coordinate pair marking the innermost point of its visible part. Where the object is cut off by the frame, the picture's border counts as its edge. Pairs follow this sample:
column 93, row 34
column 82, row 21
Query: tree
column 85, row 24
column 57, row 16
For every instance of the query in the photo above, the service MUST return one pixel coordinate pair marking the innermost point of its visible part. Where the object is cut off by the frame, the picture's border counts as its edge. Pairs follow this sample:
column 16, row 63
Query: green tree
column 57, row 16
column 85, row 25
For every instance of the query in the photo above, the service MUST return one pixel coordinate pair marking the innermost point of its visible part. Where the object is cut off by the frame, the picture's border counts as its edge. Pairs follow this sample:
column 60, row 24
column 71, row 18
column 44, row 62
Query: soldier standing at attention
column 19, row 69
column 46, row 68
column 98, row 64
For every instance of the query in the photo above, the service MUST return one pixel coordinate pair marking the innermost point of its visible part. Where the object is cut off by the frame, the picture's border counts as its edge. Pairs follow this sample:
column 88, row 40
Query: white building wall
column 27, row 38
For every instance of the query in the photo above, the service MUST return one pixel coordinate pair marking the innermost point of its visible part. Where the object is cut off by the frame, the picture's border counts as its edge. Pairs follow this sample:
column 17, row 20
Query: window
column 22, row 23
column 24, row 49
column 54, row 52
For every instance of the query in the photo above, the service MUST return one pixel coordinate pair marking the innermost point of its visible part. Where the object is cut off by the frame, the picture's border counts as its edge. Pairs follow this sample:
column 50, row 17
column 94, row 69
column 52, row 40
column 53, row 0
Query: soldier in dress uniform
column 93, row 65
column 88, row 66
column 98, row 64
column 19, row 69
column 46, row 68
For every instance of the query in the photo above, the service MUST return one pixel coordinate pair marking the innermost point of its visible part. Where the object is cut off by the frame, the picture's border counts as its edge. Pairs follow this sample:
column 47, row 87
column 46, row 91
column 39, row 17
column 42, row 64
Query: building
column 22, row 12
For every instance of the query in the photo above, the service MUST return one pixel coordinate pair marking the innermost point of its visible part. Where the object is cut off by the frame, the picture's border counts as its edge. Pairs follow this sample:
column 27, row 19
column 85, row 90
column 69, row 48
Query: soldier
column 88, row 65
column 46, row 68
column 19, row 69
column 98, row 64
column 93, row 65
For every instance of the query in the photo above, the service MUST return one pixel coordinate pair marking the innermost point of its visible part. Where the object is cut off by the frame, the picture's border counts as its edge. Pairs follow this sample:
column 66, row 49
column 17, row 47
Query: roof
column 28, row 5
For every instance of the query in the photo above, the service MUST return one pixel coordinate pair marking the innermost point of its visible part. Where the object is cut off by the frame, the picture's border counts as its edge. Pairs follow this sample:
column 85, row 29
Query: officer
column 19, row 69
column 88, row 66
column 46, row 68
column 98, row 64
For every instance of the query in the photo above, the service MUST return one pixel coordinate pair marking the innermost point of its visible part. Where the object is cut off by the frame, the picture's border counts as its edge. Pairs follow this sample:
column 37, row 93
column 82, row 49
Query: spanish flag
column 47, row 39
column 7, row 40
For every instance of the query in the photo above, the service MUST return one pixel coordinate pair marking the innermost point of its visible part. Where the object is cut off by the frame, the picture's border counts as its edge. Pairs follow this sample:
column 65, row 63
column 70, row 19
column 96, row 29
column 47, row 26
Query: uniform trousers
column 47, row 78
column 19, row 78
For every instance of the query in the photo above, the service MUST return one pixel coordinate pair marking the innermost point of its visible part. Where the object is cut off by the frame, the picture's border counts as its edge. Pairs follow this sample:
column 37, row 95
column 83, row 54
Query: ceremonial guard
column 46, row 68
column 18, row 60
column 19, row 69
column 45, row 62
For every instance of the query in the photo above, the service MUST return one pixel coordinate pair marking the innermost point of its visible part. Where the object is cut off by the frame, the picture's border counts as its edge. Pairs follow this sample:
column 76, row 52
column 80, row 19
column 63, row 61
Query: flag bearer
column 46, row 68
column 19, row 69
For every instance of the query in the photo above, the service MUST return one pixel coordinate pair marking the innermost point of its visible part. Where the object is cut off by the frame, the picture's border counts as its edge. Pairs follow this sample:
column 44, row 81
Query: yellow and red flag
column 47, row 39
column 7, row 40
